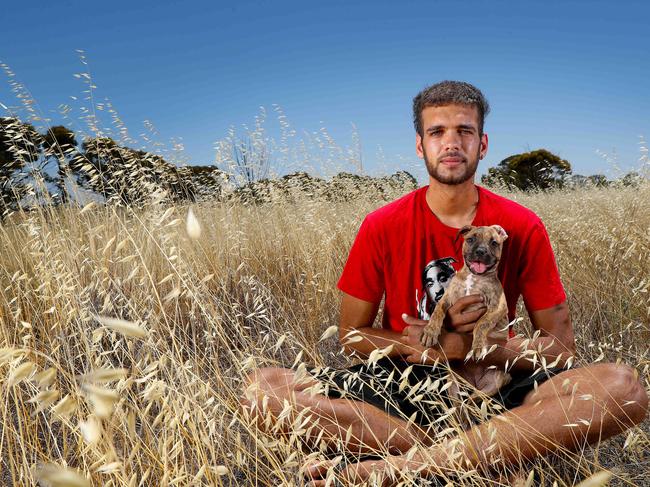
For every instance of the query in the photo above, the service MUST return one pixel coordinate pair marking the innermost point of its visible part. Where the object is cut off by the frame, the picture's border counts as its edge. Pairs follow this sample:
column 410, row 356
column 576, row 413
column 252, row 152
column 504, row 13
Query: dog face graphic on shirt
column 436, row 276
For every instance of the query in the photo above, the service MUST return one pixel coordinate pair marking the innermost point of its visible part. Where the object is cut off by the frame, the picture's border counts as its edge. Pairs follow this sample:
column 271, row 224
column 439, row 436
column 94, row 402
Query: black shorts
column 415, row 391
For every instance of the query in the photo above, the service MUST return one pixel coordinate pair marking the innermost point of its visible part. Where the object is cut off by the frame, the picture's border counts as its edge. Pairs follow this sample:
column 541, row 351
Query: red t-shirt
column 403, row 251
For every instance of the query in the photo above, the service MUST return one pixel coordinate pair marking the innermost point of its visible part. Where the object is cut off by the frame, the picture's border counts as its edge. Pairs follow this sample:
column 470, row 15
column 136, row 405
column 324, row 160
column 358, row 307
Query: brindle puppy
column 481, row 252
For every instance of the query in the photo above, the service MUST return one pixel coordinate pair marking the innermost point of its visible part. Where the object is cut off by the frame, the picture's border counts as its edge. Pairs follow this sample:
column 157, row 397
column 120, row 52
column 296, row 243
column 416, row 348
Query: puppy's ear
column 500, row 231
column 463, row 231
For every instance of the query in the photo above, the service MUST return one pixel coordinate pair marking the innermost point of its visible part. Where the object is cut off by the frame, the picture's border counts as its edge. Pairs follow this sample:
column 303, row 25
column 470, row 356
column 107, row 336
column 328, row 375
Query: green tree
column 598, row 180
column 632, row 178
column 203, row 183
column 165, row 176
column 539, row 169
column 59, row 143
column 127, row 176
column 20, row 149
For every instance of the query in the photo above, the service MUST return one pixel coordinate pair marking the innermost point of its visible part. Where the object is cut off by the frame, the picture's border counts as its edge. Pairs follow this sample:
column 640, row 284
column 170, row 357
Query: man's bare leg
column 570, row 410
column 368, row 429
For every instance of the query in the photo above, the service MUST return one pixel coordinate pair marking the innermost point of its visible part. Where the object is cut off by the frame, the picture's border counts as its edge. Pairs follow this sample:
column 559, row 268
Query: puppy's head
column 482, row 247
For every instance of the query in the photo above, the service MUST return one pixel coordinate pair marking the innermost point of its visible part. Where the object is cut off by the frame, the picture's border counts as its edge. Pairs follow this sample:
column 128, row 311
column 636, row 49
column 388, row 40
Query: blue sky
column 568, row 76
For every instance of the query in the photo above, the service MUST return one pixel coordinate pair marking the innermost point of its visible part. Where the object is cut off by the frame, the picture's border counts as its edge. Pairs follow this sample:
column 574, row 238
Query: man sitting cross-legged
column 404, row 252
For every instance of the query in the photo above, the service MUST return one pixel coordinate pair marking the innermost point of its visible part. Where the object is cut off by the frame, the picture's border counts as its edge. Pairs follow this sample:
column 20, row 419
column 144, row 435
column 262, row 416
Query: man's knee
column 626, row 388
column 265, row 377
column 264, row 381
column 614, row 386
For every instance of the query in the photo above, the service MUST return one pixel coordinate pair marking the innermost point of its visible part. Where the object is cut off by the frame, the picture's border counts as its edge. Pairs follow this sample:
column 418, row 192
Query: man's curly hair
column 449, row 93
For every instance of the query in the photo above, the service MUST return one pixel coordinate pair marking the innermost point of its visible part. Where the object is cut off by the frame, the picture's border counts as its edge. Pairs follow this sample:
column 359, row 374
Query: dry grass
column 124, row 342
column 157, row 404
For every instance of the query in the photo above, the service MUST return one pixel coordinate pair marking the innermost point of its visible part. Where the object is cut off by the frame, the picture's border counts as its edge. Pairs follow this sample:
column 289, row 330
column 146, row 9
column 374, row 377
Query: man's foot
column 379, row 471
column 385, row 472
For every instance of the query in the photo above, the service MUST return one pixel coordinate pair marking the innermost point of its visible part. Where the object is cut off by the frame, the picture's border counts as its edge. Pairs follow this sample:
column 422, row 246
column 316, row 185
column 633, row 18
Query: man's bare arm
column 357, row 335
column 356, row 319
column 555, row 340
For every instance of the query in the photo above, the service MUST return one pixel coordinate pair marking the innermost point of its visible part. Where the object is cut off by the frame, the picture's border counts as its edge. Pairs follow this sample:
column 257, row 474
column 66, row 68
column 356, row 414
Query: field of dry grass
column 150, row 397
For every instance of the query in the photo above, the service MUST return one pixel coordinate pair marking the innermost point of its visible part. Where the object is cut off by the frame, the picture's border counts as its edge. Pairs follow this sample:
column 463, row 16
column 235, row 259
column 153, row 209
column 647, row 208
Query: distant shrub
column 539, row 169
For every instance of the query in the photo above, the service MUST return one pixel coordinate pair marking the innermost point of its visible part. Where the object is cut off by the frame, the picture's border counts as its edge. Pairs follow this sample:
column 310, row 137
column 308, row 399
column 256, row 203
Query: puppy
column 481, row 253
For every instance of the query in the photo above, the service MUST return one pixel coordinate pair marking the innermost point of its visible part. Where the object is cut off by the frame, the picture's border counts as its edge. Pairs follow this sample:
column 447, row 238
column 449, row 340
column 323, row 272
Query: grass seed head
column 193, row 226
column 103, row 376
column 126, row 328
column 102, row 400
column 51, row 475
column 64, row 408
column 599, row 479
column 46, row 377
column 20, row 373
column 91, row 429
column 44, row 399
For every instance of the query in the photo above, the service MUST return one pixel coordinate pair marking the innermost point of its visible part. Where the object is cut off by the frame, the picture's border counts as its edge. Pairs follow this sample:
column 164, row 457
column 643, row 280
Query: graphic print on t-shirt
column 436, row 276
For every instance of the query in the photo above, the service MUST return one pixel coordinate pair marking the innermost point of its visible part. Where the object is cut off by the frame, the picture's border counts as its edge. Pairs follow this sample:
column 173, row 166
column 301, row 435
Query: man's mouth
column 452, row 161
column 479, row 267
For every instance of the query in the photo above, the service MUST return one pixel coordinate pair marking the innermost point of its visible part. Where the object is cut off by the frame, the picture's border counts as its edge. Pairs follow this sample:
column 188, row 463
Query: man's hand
column 454, row 344
column 411, row 339
column 451, row 345
column 463, row 322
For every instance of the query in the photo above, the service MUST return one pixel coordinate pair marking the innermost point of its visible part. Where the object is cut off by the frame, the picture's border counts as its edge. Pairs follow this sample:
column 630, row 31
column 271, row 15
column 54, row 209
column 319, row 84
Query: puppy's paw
column 479, row 342
column 429, row 336
column 469, row 356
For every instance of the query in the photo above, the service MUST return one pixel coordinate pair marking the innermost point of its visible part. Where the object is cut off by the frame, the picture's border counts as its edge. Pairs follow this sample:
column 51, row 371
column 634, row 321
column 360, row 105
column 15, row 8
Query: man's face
column 451, row 145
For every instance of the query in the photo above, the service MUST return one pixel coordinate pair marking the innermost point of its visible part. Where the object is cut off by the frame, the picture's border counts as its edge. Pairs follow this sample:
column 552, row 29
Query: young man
column 403, row 253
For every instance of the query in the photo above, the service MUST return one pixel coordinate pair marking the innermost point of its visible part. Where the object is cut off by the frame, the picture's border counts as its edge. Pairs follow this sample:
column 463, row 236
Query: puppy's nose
column 481, row 251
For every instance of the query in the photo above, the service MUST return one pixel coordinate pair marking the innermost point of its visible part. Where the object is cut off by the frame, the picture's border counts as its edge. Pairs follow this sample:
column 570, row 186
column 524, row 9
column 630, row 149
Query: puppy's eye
column 471, row 240
column 494, row 243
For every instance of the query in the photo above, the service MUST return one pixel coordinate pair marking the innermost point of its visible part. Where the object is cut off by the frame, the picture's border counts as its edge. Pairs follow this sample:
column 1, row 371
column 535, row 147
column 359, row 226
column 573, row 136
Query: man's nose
column 451, row 140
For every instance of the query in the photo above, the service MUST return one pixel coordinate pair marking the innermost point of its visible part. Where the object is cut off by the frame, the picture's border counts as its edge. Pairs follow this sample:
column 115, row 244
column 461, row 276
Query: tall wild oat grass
column 124, row 342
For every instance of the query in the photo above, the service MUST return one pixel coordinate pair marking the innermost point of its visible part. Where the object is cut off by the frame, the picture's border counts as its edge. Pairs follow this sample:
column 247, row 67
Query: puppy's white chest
column 469, row 283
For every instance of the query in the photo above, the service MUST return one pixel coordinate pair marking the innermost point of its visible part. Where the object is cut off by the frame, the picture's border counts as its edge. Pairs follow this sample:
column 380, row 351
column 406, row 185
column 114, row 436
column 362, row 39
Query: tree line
column 39, row 167
column 541, row 170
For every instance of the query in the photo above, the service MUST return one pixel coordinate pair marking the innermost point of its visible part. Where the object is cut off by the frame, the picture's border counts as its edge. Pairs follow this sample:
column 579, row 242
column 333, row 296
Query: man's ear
column 501, row 232
column 463, row 231
column 484, row 146
column 418, row 146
